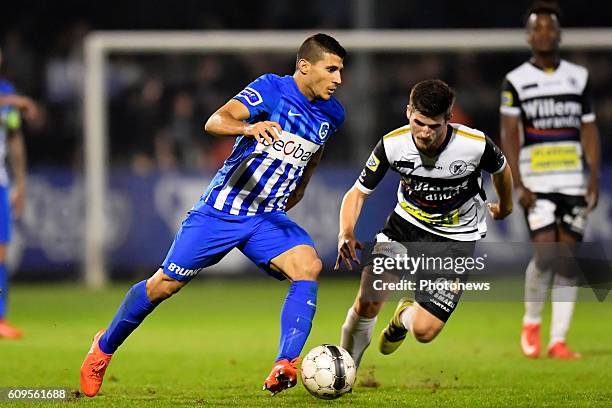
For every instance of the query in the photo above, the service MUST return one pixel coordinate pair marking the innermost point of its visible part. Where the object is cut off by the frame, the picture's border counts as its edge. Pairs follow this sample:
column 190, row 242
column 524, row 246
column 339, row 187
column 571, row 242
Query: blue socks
column 3, row 290
column 135, row 307
column 296, row 318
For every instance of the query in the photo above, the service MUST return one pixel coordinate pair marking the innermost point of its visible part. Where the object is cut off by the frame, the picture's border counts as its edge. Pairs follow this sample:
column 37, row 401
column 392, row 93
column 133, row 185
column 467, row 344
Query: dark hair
column 543, row 7
column 313, row 47
column 432, row 98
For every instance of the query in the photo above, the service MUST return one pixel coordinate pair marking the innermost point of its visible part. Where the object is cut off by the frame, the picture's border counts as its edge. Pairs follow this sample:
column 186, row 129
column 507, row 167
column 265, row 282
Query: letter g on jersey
column 323, row 130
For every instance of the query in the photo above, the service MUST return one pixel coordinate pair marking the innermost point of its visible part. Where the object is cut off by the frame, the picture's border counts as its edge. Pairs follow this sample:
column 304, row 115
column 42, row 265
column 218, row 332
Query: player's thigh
column 438, row 288
column 542, row 220
column 572, row 213
column 203, row 239
column 542, row 224
column 373, row 292
column 282, row 248
column 378, row 282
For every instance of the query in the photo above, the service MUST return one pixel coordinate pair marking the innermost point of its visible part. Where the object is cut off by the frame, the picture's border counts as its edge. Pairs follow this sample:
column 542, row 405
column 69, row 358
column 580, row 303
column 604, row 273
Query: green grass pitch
column 213, row 344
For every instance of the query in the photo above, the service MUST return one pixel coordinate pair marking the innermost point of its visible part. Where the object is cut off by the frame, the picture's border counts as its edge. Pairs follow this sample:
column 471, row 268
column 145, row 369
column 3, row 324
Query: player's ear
column 303, row 66
column 408, row 111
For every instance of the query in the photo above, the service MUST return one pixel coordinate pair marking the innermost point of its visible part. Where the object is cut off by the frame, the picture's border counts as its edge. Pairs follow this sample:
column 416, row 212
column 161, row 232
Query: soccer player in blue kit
column 12, row 195
column 282, row 124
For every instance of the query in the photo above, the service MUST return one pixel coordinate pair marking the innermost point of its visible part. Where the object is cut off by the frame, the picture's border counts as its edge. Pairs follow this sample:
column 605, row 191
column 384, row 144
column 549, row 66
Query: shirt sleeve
column 374, row 171
column 493, row 160
column 510, row 104
column 588, row 114
column 260, row 97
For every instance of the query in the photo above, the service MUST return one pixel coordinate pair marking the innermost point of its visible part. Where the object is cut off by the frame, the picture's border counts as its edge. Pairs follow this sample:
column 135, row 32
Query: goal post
column 99, row 44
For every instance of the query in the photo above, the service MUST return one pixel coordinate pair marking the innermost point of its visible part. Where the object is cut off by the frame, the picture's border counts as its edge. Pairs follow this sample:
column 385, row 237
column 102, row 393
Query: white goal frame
column 99, row 44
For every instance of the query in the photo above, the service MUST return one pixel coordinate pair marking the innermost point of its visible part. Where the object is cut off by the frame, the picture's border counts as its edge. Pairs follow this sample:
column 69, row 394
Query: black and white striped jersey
column 552, row 105
column 441, row 194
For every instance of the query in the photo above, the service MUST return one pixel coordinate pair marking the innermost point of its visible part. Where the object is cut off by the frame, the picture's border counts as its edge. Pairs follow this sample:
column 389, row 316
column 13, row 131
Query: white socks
column 356, row 334
column 406, row 318
column 537, row 283
column 563, row 296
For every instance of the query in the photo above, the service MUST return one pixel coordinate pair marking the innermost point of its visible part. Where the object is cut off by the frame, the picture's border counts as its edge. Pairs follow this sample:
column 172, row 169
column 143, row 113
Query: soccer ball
column 328, row 371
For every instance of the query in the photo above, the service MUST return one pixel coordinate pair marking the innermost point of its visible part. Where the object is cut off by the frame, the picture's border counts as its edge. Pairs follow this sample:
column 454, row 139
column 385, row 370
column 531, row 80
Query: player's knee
column 160, row 287
column 424, row 333
column 308, row 270
column 367, row 308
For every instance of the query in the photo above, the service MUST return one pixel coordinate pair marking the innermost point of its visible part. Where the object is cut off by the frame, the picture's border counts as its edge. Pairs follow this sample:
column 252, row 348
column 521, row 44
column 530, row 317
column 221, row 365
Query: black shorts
column 400, row 238
column 553, row 209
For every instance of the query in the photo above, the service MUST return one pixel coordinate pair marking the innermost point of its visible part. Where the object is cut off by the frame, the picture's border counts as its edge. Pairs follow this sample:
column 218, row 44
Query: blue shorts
column 5, row 215
column 207, row 235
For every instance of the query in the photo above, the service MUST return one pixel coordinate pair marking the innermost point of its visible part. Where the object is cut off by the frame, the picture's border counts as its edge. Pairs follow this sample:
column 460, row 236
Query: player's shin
column 356, row 334
column 296, row 318
column 135, row 307
column 537, row 283
column 563, row 296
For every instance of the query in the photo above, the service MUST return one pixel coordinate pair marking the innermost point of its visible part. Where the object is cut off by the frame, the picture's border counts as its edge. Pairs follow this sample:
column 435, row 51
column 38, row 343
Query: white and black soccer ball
column 328, row 371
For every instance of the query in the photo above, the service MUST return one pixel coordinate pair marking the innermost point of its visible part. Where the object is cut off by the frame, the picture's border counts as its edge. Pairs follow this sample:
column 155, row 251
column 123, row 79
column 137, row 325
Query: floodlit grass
column 214, row 343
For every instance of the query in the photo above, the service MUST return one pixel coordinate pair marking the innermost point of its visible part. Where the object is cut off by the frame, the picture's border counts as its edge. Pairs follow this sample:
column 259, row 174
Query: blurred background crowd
column 158, row 102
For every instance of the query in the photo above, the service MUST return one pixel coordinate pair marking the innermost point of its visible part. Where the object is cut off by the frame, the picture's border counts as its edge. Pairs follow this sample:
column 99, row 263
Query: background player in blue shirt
column 11, row 142
column 281, row 124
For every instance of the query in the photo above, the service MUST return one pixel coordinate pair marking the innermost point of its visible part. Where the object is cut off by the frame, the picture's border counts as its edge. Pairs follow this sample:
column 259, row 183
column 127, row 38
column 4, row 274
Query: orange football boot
column 283, row 375
column 559, row 350
column 8, row 331
column 530, row 340
column 93, row 367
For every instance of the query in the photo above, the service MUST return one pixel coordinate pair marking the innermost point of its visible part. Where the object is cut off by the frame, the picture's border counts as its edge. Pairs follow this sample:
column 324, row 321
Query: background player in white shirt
column 549, row 99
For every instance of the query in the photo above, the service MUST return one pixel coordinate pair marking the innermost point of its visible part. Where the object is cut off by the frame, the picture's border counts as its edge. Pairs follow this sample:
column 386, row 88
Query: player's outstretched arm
column 589, row 136
column 299, row 191
column 17, row 154
column 503, row 186
column 229, row 119
column 23, row 103
column 349, row 214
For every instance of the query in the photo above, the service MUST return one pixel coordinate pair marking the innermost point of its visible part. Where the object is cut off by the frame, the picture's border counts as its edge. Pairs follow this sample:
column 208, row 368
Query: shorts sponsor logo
column 251, row 96
column 179, row 270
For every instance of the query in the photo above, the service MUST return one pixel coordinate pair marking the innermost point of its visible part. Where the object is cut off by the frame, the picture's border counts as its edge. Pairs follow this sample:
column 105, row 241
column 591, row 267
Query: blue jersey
column 10, row 120
column 259, row 177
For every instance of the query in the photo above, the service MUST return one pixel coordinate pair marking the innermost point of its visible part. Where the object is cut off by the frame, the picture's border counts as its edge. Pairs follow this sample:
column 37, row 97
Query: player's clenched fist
column 499, row 212
column 264, row 131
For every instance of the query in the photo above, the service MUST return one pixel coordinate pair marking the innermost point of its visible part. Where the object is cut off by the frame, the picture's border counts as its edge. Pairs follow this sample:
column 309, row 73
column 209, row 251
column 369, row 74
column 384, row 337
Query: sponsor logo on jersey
column 251, row 96
column 458, row 167
column 407, row 164
column 289, row 148
column 372, row 162
column 548, row 107
column 292, row 113
column 323, row 130
column 179, row 270
column 507, row 98
column 425, row 191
